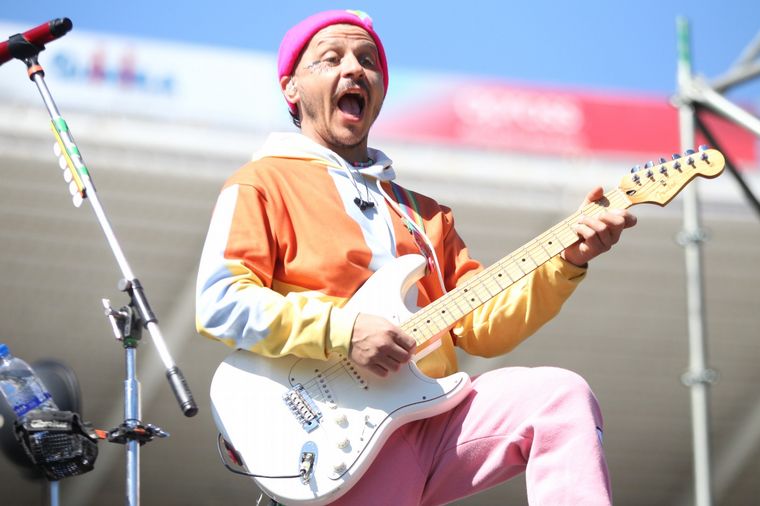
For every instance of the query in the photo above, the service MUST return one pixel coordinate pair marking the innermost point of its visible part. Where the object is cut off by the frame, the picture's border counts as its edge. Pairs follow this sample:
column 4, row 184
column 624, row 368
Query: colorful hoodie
column 287, row 248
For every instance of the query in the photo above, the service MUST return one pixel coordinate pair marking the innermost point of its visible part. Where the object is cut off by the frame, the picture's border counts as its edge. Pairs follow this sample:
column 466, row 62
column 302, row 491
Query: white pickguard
column 358, row 410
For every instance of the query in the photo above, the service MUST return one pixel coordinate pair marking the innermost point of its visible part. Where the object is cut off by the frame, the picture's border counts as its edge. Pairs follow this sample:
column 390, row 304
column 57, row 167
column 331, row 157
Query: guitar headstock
column 658, row 184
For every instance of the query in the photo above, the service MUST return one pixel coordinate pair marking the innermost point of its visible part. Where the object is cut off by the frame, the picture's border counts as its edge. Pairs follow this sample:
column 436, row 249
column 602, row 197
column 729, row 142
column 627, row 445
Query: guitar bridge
column 302, row 407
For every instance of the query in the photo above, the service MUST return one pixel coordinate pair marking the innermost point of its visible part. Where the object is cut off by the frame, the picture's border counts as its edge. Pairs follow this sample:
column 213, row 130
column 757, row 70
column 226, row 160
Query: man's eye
column 332, row 60
column 367, row 61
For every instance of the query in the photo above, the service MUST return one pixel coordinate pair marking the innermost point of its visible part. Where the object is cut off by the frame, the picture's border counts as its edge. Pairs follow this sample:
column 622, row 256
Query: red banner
column 541, row 120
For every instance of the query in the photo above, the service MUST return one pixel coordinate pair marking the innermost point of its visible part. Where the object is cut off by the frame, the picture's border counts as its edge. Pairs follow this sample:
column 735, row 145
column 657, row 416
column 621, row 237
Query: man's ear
column 289, row 89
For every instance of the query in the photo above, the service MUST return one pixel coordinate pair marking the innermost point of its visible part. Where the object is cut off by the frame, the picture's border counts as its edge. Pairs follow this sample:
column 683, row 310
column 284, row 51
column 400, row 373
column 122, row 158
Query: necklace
column 363, row 165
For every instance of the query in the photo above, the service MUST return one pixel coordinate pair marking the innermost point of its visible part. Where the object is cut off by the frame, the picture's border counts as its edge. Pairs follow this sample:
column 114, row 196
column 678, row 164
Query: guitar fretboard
column 444, row 312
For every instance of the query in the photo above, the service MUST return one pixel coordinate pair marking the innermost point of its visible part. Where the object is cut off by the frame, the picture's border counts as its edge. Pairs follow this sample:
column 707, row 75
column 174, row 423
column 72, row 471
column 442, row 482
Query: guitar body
column 330, row 417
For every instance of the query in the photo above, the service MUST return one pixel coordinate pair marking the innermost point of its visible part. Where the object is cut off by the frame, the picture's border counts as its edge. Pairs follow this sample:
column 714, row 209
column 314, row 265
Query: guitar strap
column 410, row 214
column 408, row 202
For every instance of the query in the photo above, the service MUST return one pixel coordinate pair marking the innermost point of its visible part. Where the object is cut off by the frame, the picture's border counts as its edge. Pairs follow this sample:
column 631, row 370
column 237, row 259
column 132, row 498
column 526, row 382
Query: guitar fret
column 498, row 281
column 513, row 271
column 473, row 297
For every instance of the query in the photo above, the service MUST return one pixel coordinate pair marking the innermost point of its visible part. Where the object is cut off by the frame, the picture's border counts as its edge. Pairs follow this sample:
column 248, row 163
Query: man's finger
column 406, row 341
column 399, row 355
column 593, row 195
column 379, row 370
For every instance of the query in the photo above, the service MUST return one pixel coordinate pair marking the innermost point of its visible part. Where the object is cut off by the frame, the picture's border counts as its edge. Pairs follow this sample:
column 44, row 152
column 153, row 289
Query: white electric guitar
column 310, row 429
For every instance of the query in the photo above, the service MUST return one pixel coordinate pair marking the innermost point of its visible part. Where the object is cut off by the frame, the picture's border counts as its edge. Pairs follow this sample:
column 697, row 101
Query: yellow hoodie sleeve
column 516, row 313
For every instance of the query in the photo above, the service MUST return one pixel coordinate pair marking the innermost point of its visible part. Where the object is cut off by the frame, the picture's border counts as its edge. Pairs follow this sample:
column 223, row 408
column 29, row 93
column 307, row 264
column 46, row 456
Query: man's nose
column 351, row 66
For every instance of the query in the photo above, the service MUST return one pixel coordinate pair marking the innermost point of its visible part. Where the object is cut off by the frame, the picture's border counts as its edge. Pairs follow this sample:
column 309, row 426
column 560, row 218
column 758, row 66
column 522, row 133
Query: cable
column 245, row 473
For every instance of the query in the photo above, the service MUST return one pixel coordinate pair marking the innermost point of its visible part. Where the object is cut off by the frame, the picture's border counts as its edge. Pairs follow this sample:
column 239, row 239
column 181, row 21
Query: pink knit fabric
column 298, row 37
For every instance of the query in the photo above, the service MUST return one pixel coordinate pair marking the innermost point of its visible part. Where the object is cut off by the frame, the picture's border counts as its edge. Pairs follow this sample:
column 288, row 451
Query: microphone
column 31, row 42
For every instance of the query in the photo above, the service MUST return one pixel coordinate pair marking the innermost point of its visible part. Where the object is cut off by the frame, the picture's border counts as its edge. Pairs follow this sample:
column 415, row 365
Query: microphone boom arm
column 131, row 284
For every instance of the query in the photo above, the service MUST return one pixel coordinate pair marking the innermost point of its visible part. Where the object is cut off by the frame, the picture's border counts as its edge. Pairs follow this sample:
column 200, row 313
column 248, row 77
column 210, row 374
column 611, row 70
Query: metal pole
column 132, row 418
column 698, row 376
column 54, row 488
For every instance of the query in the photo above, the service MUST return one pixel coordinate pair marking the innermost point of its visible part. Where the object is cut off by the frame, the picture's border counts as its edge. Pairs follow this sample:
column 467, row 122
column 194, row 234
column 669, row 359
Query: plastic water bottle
column 21, row 387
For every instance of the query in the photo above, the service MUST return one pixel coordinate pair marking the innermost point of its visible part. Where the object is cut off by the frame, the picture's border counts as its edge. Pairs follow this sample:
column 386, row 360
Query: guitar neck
column 444, row 312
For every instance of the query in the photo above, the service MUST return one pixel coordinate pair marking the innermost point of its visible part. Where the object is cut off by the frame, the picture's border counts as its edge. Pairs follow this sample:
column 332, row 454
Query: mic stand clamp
column 127, row 323
column 133, row 430
column 127, row 326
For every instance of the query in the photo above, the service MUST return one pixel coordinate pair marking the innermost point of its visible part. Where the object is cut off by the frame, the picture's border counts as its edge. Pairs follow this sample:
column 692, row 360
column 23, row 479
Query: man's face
column 338, row 88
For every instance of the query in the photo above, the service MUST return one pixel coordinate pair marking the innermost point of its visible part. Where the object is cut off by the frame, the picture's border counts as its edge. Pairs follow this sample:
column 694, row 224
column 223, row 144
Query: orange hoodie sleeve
column 235, row 299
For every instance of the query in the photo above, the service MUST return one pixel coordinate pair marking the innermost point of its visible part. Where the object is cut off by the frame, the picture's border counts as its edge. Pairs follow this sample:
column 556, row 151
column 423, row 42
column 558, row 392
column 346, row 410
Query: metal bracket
column 705, row 376
column 135, row 431
column 687, row 238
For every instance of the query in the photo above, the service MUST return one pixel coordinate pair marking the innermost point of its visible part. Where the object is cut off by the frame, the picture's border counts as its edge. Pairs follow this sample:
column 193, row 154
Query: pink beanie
column 298, row 37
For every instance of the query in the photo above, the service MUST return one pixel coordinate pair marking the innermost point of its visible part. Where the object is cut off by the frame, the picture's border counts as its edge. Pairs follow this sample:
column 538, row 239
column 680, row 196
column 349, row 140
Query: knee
column 569, row 391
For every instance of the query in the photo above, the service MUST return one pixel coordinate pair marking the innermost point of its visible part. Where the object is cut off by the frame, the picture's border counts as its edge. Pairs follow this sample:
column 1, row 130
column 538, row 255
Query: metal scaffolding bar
column 691, row 239
column 695, row 93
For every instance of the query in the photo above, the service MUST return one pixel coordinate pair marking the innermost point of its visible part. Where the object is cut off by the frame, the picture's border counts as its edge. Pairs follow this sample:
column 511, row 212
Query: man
column 298, row 230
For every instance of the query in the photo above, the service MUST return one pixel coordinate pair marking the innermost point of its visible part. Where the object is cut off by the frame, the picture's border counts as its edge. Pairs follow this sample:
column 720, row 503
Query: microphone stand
column 127, row 321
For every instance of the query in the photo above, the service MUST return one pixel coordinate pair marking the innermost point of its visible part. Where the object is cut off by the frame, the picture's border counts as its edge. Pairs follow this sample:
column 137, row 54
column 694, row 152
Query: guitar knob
column 343, row 443
column 341, row 419
column 339, row 468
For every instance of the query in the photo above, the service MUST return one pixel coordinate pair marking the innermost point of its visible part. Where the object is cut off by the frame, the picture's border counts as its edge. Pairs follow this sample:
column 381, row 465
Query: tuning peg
column 703, row 147
column 663, row 169
column 662, row 160
column 649, row 164
column 689, row 152
column 636, row 178
column 675, row 156
column 635, row 169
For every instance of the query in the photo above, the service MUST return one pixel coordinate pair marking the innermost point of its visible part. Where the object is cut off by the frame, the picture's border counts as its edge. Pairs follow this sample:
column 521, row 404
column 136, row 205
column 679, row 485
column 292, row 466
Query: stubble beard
column 310, row 111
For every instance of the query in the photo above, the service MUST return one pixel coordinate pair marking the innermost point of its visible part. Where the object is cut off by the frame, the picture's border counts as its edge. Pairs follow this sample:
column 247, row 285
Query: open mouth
column 352, row 104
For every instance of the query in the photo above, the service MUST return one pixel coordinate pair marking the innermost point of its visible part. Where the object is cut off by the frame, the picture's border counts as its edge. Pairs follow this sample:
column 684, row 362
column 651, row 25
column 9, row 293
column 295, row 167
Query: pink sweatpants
column 544, row 421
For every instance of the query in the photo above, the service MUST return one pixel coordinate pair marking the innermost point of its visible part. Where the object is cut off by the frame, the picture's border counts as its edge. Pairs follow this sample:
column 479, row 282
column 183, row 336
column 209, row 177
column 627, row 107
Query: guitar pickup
column 301, row 405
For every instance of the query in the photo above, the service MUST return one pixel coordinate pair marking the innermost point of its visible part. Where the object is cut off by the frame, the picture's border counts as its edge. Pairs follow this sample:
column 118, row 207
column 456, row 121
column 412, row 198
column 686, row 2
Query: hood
column 297, row 146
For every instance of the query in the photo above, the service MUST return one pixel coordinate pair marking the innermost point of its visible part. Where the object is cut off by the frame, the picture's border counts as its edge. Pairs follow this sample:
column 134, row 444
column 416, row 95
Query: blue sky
column 593, row 45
